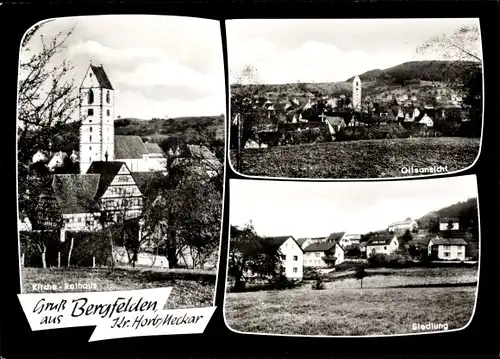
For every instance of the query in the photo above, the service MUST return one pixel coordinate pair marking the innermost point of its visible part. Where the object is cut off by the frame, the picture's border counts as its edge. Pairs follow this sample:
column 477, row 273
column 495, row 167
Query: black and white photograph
column 354, row 98
column 121, row 145
column 352, row 258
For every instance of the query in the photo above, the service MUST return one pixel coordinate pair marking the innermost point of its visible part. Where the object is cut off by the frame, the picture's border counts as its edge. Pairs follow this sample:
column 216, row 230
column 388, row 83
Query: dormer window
column 107, row 96
column 91, row 96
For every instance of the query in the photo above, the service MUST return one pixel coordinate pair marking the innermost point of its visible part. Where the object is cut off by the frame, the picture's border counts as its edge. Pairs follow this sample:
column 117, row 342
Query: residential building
column 402, row 226
column 382, row 243
column 348, row 240
column 447, row 248
column 449, row 223
column 292, row 256
column 323, row 255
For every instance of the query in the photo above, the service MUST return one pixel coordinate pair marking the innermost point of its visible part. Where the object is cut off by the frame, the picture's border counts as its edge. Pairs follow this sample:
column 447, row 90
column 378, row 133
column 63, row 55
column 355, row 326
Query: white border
column 225, row 144
column 363, row 336
column 354, row 178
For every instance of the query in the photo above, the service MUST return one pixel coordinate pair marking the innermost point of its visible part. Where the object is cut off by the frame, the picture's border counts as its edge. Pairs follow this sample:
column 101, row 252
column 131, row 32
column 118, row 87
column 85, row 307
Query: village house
column 382, row 243
column 402, row 226
column 348, row 240
column 449, row 223
column 292, row 256
column 75, row 202
column 447, row 248
column 323, row 255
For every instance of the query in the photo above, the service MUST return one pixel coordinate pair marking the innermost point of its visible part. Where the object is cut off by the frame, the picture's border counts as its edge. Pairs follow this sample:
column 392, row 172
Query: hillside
column 420, row 78
column 467, row 212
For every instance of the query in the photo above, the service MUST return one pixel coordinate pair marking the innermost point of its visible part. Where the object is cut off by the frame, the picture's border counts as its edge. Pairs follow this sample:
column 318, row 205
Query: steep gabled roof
column 75, row 193
column 277, row 241
column 143, row 179
column 320, row 247
column 107, row 171
column 335, row 236
column 301, row 241
column 400, row 223
column 101, row 77
column 129, row 147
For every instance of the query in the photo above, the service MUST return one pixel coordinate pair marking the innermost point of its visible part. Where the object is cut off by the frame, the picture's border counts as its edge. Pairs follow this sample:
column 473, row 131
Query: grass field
column 186, row 293
column 358, row 159
column 342, row 308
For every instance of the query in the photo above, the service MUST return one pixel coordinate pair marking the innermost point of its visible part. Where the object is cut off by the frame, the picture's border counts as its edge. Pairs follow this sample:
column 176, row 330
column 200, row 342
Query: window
column 295, row 269
column 107, row 98
column 90, row 112
column 295, row 258
column 90, row 138
column 90, row 148
column 283, row 256
column 90, row 129
column 447, row 248
column 385, row 247
column 91, row 96
column 123, row 178
column 459, row 254
column 447, row 254
column 108, row 112
column 317, row 255
column 90, row 159
column 79, row 219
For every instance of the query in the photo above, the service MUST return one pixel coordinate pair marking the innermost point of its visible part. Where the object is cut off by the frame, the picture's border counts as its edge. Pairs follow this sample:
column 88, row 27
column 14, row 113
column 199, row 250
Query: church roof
column 107, row 171
column 129, row 147
column 101, row 77
column 153, row 147
column 73, row 192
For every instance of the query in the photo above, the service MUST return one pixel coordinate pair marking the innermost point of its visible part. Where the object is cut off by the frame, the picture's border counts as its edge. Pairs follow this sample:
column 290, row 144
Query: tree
column 361, row 274
column 462, row 48
column 248, row 252
column 47, row 101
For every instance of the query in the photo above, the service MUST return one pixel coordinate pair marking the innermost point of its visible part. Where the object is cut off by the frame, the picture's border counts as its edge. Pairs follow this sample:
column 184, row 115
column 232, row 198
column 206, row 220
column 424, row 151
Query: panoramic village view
column 354, row 98
column 120, row 156
column 351, row 259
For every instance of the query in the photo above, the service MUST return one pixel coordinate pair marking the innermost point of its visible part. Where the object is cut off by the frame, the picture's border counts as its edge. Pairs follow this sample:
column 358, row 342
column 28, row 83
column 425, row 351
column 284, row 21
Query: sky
column 316, row 209
column 328, row 50
column 159, row 65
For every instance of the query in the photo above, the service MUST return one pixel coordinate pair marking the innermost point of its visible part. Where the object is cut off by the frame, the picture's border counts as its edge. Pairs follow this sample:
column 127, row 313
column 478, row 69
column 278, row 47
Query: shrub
column 282, row 282
column 393, row 260
column 318, row 284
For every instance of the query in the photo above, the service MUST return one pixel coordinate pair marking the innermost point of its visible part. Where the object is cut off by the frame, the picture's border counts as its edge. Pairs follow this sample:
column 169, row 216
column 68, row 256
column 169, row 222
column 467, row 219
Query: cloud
column 158, row 65
column 323, row 50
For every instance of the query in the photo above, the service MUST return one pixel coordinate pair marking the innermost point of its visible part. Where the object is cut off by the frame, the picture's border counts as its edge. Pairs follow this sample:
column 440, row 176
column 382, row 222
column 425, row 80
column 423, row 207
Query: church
column 97, row 138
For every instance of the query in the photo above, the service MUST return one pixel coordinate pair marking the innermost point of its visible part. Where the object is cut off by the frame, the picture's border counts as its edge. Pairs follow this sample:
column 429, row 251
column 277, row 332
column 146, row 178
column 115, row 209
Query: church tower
column 356, row 93
column 97, row 104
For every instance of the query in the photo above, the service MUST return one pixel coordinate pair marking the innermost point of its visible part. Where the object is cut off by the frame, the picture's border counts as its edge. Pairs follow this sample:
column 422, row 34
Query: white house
column 39, row 156
column 445, row 222
column 385, row 243
column 139, row 156
column 402, row 226
column 447, row 248
column 426, row 120
column 292, row 256
column 323, row 255
column 349, row 239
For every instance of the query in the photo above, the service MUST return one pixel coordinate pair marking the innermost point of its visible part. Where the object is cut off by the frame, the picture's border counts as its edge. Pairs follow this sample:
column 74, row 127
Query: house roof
column 335, row 236
column 152, row 147
column 107, row 171
column 448, row 241
column 334, row 121
column 362, row 244
column 301, row 241
column 320, row 246
column 446, row 219
column 400, row 223
column 277, row 241
column 74, row 193
column 380, row 239
column 129, row 147
column 101, row 77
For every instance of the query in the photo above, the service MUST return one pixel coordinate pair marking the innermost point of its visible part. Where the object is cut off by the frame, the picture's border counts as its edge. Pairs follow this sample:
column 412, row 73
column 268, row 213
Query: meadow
column 358, row 159
column 191, row 288
column 383, row 307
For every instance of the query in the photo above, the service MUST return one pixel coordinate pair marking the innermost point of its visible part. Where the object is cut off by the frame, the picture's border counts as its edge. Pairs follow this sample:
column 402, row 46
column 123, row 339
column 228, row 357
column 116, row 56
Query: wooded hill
column 416, row 77
column 467, row 211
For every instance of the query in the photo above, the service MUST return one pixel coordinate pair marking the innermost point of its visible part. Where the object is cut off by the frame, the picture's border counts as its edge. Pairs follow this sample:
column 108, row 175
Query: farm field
column 358, row 159
column 343, row 308
column 191, row 288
